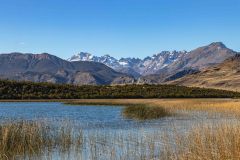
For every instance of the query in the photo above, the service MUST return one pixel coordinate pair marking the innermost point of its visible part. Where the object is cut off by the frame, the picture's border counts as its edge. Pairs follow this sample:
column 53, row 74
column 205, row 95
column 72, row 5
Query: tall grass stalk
column 206, row 142
column 31, row 138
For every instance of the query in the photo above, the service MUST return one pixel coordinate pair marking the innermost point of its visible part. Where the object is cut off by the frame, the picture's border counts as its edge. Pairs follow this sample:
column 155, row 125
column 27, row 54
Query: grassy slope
column 225, row 76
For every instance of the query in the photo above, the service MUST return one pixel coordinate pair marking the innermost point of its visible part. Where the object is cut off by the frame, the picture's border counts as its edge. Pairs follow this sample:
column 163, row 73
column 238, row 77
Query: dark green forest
column 30, row 90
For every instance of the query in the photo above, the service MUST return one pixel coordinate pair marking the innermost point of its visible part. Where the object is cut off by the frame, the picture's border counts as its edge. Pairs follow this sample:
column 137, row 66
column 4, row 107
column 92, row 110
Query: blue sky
column 121, row 28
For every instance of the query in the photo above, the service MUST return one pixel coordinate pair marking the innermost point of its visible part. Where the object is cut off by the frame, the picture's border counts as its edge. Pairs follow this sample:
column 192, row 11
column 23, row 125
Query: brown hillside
column 225, row 75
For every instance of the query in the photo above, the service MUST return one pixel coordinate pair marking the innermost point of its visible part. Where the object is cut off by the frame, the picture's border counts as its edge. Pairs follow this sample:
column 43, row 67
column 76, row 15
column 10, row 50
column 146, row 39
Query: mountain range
column 133, row 66
column 171, row 67
column 165, row 65
column 192, row 62
column 48, row 68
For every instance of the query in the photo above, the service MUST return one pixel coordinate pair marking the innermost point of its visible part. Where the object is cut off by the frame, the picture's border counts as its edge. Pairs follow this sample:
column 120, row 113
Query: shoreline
column 113, row 99
column 224, row 106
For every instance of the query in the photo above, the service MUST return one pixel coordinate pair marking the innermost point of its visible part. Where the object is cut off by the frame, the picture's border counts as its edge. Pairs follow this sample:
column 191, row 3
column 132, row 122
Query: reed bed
column 206, row 142
column 40, row 140
column 144, row 112
column 22, row 139
column 140, row 111
column 224, row 107
column 218, row 140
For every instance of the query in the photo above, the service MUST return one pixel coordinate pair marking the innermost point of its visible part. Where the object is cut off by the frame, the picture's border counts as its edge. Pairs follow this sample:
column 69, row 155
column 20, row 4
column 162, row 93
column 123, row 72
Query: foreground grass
column 28, row 138
column 206, row 142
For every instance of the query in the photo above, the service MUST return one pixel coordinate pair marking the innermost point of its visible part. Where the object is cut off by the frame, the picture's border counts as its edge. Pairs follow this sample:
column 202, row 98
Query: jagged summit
column 218, row 44
column 82, row 56
column 165, row 63
column 132, row 66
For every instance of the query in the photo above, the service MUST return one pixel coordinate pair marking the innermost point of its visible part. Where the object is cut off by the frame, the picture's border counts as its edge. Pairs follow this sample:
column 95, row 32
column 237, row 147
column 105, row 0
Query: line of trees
column 30, row 90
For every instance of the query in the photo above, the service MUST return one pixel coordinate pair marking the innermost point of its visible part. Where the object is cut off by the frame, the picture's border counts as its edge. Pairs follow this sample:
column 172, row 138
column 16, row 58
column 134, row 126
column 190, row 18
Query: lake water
column 101, row 122
column 87, row 117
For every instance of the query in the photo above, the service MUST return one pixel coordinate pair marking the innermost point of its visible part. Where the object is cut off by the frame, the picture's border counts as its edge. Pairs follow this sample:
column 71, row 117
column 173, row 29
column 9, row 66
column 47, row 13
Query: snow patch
column 123, row 63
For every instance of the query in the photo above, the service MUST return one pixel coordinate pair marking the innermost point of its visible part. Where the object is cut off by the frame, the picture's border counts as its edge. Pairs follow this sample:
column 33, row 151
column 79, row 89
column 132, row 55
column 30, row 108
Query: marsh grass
column 218, row 140
column 143, row 112
column 132, row 110
column 223, row 107
column 206, row 142
column 31, row 138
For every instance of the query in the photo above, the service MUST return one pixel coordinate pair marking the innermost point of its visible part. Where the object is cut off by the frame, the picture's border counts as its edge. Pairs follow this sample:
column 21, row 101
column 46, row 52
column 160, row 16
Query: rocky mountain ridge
column 165, row 65
column 86, row 69
column 133, row 66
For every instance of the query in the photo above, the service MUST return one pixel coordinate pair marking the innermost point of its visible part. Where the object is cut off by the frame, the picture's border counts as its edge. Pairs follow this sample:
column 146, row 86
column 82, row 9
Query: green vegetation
column 143, row 112
column 30, row 90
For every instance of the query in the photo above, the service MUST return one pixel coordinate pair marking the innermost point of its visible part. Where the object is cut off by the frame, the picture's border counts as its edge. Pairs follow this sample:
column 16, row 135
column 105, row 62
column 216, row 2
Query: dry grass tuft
column 205, row 142
column 143, row 112
column 26, row 138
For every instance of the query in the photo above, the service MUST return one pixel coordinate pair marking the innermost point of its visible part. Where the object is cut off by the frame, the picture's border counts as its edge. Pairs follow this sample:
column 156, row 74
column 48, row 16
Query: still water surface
column 88, row 117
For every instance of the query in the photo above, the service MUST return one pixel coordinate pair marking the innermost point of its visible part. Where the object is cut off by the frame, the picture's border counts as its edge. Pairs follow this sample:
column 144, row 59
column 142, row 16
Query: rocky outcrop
column 83, row 78
column 123, row 80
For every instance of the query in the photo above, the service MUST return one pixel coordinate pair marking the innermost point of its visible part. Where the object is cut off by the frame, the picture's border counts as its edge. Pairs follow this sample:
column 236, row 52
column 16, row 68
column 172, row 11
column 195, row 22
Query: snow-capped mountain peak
column 82, row 56
column 148, row 65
